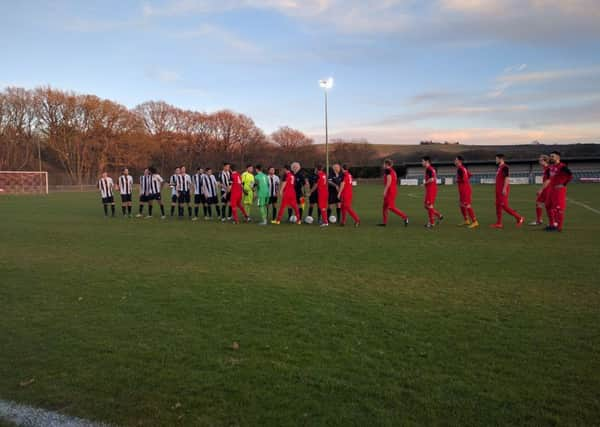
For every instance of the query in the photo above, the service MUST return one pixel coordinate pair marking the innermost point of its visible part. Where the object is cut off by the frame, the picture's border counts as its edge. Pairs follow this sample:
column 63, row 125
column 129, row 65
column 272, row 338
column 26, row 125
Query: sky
column 474, row 71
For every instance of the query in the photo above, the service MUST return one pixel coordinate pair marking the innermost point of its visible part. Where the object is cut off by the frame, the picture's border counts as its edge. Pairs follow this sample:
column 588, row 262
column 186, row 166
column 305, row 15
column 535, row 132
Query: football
column 309, row 220
column 293, row 219
column 332, row 219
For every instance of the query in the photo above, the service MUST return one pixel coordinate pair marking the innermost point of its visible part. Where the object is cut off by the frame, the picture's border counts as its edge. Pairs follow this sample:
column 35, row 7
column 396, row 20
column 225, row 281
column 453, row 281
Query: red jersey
column 322, row 184
column 393, row 189
column 501, row 177
column 236, row 184
column 347, row 194
column 429, row 174
column 290, row 183
column 560, row 174
column 546, row 173
column 463, row 176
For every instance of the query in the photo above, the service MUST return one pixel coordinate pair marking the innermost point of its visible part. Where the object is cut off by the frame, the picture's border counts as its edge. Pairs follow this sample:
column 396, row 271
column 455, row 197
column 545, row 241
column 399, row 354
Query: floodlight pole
column 326, row 136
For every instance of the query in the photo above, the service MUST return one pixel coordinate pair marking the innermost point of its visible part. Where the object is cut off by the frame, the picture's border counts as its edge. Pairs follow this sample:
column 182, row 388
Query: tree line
column 81, row 135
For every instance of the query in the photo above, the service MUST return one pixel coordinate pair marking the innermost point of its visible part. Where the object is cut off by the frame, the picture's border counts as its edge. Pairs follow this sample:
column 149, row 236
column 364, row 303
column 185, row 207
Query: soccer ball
column 309, row 220
column 332, row 219
column 293, row 219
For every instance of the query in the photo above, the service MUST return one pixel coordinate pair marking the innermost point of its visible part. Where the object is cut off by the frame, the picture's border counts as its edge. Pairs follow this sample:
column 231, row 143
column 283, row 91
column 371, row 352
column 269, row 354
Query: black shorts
column 333, row 198
column 144, row 198
column 272, row 200
column 199, row 198
column 108, row 200
column 226, row 198
column 314, row 198
column 173, row 198
column 212, row 200
column 155, row 196
column 184, row 197
column 125, row 198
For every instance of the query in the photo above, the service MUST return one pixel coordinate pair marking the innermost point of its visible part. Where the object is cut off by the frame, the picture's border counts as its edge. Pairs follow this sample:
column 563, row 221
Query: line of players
column 230, row 192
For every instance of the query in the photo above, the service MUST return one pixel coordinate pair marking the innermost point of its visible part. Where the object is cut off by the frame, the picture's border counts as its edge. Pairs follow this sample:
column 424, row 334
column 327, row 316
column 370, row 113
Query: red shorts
column 465, row 195
column 236, row 199
column 543, row 197
column 501, row 200
column 558, row 198
column 323, row 202
column 430, row 196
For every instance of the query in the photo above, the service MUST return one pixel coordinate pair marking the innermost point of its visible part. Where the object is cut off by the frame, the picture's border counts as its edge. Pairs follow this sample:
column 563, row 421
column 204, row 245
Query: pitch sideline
column 29, row 416
column 583, row 205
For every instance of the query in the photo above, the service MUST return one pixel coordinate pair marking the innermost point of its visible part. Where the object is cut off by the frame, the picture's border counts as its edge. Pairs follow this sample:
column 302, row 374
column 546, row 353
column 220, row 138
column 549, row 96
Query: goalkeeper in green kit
column 261, row 182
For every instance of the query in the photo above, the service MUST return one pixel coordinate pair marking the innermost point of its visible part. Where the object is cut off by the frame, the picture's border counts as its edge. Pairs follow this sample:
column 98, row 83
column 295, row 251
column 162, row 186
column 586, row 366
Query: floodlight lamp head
column 326, row 83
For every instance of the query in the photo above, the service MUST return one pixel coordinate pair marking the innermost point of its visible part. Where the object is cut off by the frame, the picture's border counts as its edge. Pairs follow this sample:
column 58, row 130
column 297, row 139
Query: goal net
column 19, row 182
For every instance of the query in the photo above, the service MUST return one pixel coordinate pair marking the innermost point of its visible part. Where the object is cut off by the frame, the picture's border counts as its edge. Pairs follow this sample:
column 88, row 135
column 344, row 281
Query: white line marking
column 28, row 416
column 583, row 205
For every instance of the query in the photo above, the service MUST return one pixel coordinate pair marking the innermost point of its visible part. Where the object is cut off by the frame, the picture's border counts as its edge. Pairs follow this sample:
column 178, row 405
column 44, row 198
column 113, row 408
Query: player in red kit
column 236, row 192
column 560, row 176
column 465, row 193
column 543, row 200
column 323, row 195
column 430, row 192
column 502, row 193
column 288, row 196
column 345, row 195
column 390, row 182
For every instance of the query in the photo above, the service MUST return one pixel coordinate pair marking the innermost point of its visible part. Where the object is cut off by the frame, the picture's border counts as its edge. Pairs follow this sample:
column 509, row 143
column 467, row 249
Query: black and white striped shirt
column 209, row 185
column 225, row 181
column 126, row 184
column 156, row 183
column 145, row 184
column 184, row 182
column 106, row 187
column 273, row 185
column 197, row 178
column 173, row 184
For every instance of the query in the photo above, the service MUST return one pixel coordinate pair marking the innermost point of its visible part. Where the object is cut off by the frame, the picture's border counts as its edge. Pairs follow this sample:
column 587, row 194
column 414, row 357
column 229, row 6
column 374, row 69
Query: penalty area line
column 583, row 205
column 24, row 415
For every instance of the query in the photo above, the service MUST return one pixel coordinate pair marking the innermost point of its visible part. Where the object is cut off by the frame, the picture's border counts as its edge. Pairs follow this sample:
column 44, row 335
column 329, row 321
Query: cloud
column 165, row 76
column 222, row 35
column 443, row 21
column 513, row 76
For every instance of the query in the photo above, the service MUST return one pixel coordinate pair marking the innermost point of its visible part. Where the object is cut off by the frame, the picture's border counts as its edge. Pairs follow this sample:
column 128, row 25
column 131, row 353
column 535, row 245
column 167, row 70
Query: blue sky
column 477, row 71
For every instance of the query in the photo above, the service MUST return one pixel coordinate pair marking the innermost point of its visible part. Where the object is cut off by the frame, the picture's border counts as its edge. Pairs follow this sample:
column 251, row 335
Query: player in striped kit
column 144, row 191
column 210, row 191
column 106, row 185
column 173, row 185
column 274, row 182
column 156, row 183
column 126, row 190
column 199, row 198
column 225, row 184
column 184, row 184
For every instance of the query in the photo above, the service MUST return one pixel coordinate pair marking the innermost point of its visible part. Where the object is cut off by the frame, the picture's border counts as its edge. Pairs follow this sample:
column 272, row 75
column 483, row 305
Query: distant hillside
column 413, row 153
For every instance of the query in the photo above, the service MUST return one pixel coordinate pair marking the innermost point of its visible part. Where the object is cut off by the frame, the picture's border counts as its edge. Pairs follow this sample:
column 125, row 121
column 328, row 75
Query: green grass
column 132, row 322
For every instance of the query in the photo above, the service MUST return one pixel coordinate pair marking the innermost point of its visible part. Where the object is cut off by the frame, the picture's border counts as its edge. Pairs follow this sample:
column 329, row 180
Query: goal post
column 23, row 182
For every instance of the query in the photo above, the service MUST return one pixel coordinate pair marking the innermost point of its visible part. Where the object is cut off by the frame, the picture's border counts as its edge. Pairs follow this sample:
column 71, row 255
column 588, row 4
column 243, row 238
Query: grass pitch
column 132, row 322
